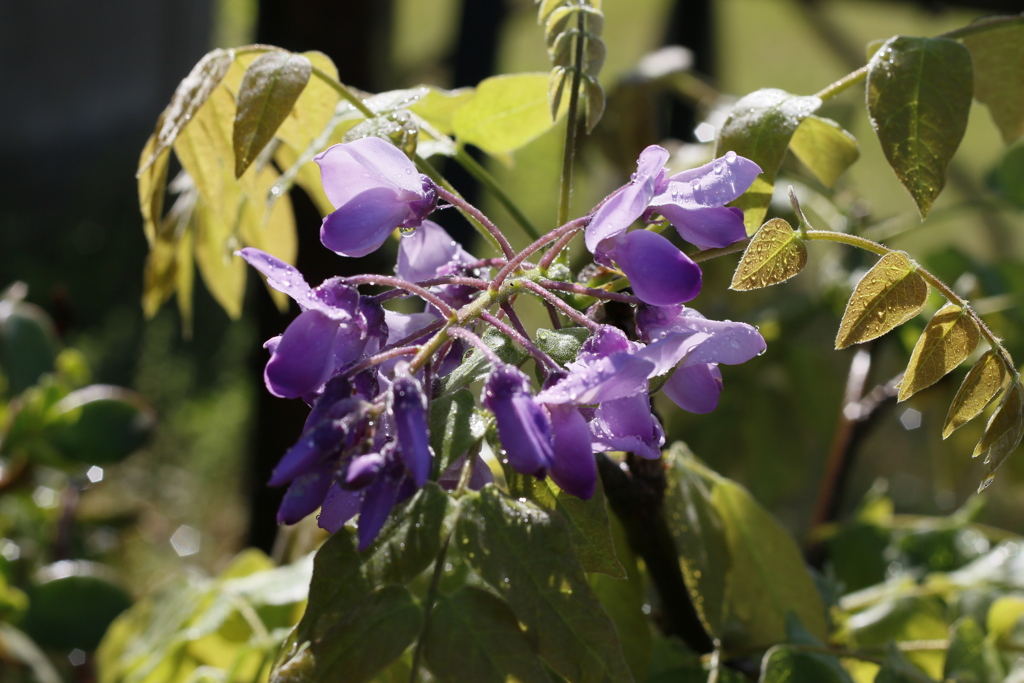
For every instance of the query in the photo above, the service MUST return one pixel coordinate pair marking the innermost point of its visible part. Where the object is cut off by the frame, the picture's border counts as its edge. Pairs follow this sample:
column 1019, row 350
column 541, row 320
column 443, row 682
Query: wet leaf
column 474, row 636
column 152, row 182
column 506, row 113
column 271, row 86
column 475, row 366
column 948, row 339
column 563, row 345
column 919, row 96
column 367, row 639
column 888, row 295
column 588, row 520
column 825, row 148
column 525, row 553
column 775, row 254
column 998, row 55
column 313, row 109
column 759, row 128
column 1003, row 432
column 454, row 426
column 189, row 96
column 982, row 384
column 439, row 106
column 594, row 103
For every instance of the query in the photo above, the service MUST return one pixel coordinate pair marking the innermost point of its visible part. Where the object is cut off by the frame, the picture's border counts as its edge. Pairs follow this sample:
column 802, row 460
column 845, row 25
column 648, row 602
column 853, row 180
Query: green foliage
column 948, row 339
column 919, row 98
column 73, row 606
column 100, row 424
column 775, row 254
column 455, row 426
column 475, row 365
column 998, row 58
column 28, row 344
column 825, row 148
column 888, row 295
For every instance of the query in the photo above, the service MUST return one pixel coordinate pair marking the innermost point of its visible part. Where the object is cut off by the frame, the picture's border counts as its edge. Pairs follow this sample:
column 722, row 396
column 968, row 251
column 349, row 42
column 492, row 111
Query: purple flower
column 605, row 369
column 329, row 332
column 427, row 252
column 409, row 415
column 341, row 427
column 374, row 188
column 523, row 426
column 574, row 468
column 306, row 493
column 627, row 424
column 658, row 272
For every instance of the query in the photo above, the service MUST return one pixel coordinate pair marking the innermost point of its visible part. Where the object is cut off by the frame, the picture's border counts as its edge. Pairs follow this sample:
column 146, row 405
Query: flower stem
column 843, row 83
column 466, row 335
column 467, row 208
column 520, row 339
column 589, row 291
column 482, row 176
column 565, row 308
column 571, row 124
column 399, row 283
column 514, row 263
column 427, row 169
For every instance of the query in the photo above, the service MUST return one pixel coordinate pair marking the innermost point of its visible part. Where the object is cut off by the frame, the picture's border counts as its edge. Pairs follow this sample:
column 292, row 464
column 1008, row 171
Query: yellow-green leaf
column 271, row 86
column 759, row 128
column 222, row 271
column 189, row 96
column 152, row 181
column 887, row 296
column 998, row 56
column 506, row 113
column 949, row 338
column 439, row 106
column 269, row 227
column 314, row 108
column 982, row 384
column 1004, row 431
column 824, row 148
column 919, row 96
column 594, row 102
column 775, row 254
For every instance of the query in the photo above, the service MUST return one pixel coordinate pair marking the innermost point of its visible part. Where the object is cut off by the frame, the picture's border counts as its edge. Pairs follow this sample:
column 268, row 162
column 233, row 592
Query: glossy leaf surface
column 825, row 148
column 998, row 56
column 775, row 254
column 888, row 295
column 948, row 339
column 982, row 384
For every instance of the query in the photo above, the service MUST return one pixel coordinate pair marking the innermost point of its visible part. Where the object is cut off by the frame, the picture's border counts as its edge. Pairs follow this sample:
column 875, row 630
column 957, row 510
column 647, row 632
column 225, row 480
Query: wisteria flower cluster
column 370, row 374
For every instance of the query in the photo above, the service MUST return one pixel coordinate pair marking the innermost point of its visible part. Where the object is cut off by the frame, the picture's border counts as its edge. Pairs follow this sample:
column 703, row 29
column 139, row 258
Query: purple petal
column 341, row 425
column 374, row 320
column 305, row 494
column 282, row 276
column 629, row 202
column 574, row 468
column 304, row 357
column 728, row 342
column 523, row 426
column 362, row 470
column 349, row 344
column 349, row 169
column 360, row 226
column 380, row 497
column 707, row 228
column 604, row 379
column 339, row 506
column 409, row 410
column 628, row 425
column 666, row 352
column 713, row 184
column 605, row 341
column 695, row 388
column 427, row 250
column 480, row 477
column 659, row 273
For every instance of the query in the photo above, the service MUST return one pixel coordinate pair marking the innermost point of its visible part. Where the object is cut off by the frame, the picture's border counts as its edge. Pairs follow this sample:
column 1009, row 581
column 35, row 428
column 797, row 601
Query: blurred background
column 83, row 84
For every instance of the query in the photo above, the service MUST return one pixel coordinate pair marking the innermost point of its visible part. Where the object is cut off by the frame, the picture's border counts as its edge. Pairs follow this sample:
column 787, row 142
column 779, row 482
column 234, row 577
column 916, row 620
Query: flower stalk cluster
column 370, row 374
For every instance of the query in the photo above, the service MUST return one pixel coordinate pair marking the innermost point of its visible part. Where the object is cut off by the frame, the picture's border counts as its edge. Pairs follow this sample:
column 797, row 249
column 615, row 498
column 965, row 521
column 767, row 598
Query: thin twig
column 565, row 308
column 476, row 213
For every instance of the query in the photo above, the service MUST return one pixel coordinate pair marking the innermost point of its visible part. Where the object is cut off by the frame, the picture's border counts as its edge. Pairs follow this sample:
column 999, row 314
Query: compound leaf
column 775, row 254
column 919, row 96
column 949, row 338
column 982, row 384
column 1003, row 432
column 888, row 295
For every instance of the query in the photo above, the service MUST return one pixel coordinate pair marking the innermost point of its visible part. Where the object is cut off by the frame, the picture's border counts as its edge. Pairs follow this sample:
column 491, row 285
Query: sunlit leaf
column 1003, row 432
column 594, row 102
column 505, row 114
column 151, row 184
column 825, row 148
column 189, row 96
column 438, row 107
column 557, row 81
column 305, row 174
column 474, row 636
column 888, row 295
column 313, row 109
column 897, row 668
column 998, row 55
column 271, row 86
column 971, row 656
column 948, row 339
column 588, row 520
column 982, row 384
column 222, row 271
column 269, row 227
column 759, row 128
column 454, row 426
column 775, row 254
column 783, row 665
column 919, row 96
column 526, row 555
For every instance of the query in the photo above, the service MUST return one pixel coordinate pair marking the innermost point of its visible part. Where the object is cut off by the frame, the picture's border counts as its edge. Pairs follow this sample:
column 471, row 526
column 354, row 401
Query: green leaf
column 768, row 577
column 506, row 113
column 903, row 618
column 28, row 345
column 971, row 656
column 897, row 668
column 1003, row 432
column 314, row 108
column 998, row 56
column 775, row 254
column 825, row 148
column 151, row 183
column 948, row 339
column 588, row 520
column 759, row 128
column 454, row 426
column 100, row 424
column 188, row 97
column 888, row 295
column 407, row 544
column 1007, row 178
column 982, row 384
column 222, row 271
column 563, row 345
column 20, row 648
column 699, row 534
column 785, row 665
column 475, row 365
column 525, row 554
column 919, row 96
column 474, row 636
column 74, row 606
column 368, row 638
column 271, row 86
column 438, row 107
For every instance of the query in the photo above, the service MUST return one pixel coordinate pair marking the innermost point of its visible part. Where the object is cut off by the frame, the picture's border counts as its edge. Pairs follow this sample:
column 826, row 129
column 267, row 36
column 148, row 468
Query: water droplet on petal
column 695, row 184
column 719, row 166
column 730, row 157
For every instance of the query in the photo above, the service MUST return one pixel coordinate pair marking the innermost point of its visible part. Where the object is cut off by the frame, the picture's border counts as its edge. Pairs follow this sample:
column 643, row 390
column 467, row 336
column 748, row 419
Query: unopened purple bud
column 523, row 426
column 341, row 427
column 574, row 468
column 305, row 494
column 378, row 500
column 362, row 470
column 340, row 505
column 658, row 272
column 409, row 411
